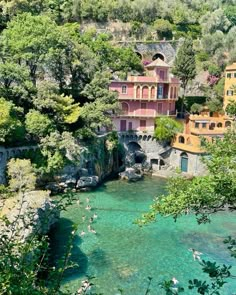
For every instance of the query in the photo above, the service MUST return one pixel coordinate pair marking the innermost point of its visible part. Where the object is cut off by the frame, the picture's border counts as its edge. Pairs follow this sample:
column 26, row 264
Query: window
column 143, row 123
column 181, row 139
column 230, row 92
column 234, row 75
column 124, row 89
column 160, row 91
column 143, row 105
column 228, row 75
column 196, row 125
column 204, row 125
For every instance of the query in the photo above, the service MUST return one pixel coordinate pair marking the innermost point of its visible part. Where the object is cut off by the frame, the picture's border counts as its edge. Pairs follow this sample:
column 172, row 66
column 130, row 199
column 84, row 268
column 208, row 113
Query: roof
column 231, row 67
column 158, row 63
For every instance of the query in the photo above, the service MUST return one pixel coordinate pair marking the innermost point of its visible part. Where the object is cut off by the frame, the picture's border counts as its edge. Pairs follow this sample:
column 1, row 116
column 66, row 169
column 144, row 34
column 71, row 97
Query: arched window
column 125, row 108
column 212, row 126
column 174, row 92
column 153, row 92
column 145, row 92
column 219, row 125
column 181, row 139
column 227, row 124
column 171, row 92
column 138, row 92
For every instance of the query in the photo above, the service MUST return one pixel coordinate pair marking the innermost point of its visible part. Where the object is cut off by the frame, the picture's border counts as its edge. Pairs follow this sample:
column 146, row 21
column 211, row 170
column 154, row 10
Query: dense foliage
column 166, row 128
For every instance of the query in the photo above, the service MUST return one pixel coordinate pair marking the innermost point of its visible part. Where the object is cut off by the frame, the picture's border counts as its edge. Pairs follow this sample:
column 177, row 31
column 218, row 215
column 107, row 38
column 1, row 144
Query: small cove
column 122, row 255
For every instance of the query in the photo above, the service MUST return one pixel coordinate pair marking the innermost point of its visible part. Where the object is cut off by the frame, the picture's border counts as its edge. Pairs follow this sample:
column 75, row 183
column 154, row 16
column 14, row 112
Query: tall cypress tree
column 185, row 66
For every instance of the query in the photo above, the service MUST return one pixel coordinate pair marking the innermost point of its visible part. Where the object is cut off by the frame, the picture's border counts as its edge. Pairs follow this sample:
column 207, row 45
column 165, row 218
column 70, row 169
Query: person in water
column 83, row 218
column 86, row 286
column 174, row 286
column 196, row 254
column 87, row 200
column 91, row 220
column 82, row 233
column 95, row 215
column 88, row 207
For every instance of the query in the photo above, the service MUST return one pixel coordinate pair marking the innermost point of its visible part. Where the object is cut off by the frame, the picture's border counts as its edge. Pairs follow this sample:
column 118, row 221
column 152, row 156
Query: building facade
column 143, row 98
column 188, row 146
column 230, row 84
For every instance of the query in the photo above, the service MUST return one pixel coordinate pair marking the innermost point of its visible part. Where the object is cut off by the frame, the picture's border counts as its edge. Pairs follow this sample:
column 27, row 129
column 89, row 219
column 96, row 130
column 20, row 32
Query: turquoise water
column 122, row 255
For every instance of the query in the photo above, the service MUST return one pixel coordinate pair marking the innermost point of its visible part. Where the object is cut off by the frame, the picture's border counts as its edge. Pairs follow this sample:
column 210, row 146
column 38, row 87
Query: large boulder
column 89, row 181
column 130, row 175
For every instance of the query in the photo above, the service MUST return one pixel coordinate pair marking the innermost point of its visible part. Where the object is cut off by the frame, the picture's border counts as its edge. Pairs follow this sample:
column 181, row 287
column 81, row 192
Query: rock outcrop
column 87, row 181
column 131, row 174
column 33, row 213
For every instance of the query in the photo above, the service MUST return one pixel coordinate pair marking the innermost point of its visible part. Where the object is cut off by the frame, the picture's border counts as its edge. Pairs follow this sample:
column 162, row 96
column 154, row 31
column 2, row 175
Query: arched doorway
column 158, row 55
column 184, row 162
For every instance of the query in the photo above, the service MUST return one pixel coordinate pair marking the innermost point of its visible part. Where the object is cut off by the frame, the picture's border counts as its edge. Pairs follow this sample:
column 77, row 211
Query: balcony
column 147, row 114
column 139, row 114
column 189, row 143
column 163, row 97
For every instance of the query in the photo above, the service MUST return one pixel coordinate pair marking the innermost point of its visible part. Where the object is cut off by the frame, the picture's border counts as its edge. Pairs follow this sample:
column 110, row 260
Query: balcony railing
column 147, row 113
column 146, row 98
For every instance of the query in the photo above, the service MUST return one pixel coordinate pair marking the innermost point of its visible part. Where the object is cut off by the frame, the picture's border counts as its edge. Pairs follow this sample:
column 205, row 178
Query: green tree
column 231, row 109
column 163, row 28
column 37, row 124
column 230, row 12
column 111, row 57
column 21, row 175
column 185, row 66
column 102, row 102
column 59, row 149
column 213, row 21
column 28, row 40
column 166, row 128
column 59, row 107
column 11, row 128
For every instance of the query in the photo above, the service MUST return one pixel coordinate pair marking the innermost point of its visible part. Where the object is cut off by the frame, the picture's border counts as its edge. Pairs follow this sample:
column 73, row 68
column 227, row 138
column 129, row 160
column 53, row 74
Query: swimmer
column 175, row 281
column 78, row 202
column 196, row 254
column 95, row 215
column 82, row 233
column 93, row 231
column 91, row 220
column 174, row 286
column 88, row 207
column 87, row 200
column 89, row 227
column 83, row 218
column 84, row 287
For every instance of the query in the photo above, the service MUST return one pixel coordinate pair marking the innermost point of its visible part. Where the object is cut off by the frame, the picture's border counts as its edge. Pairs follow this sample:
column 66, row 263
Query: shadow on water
column 62, row 232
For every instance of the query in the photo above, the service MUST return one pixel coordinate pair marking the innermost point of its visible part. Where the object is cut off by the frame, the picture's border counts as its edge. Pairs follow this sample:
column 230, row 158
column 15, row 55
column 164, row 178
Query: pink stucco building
column 143, row 98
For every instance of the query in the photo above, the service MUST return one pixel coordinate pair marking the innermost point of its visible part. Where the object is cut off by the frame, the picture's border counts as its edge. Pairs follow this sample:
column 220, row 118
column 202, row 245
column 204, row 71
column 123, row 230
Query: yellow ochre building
column 187, row 146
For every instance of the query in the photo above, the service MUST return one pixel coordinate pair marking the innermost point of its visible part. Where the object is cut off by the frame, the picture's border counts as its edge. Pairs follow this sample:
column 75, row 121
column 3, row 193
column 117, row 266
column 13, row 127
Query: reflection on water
column 122, row 255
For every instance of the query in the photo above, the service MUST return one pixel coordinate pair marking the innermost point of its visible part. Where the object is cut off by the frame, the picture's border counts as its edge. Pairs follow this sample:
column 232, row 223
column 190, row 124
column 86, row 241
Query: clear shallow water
column 122, row 255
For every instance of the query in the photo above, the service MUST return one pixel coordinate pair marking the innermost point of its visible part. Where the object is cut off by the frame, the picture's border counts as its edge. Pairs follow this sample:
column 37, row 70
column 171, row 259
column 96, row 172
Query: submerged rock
column 130, row 174
column 89, row 181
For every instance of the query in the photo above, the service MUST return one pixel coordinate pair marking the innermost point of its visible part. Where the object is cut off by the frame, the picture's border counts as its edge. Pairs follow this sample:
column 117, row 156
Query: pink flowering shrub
column 212, row 80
